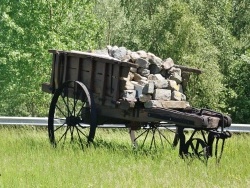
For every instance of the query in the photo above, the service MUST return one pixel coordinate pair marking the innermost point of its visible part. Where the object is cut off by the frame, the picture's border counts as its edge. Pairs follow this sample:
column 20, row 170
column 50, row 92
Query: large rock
column 138, row 88
column 173, row 85
column 148, row 88
column 142, row 54
column 153, row 104
column 162, row 94
column 144, row 72
column 134, row 56
column 178, row 96
column 176, row 77
column 167, row 63
column 138, row 77
column 155, row 77
column 154, row 69
column 129, row 95
column 161, row 84
column 142, row 63
column 119, row 53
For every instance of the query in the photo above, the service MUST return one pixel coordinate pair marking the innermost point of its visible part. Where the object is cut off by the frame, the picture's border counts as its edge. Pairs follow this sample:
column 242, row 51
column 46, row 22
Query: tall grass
column 28, row 160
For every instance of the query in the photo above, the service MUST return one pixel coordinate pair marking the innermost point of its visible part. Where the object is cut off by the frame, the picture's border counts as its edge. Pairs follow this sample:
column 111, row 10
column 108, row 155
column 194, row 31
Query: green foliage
column 28, row 30
column 27, row 160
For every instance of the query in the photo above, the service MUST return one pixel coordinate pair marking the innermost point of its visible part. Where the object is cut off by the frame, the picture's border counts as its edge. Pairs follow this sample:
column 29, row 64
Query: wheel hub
column 72, row 120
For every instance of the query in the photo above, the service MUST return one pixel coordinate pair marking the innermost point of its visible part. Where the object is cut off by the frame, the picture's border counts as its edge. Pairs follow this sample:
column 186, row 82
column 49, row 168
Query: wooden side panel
column 115, row 82
column 109, row 70
column 72, row 68
column 86, row 72
column 99, row 77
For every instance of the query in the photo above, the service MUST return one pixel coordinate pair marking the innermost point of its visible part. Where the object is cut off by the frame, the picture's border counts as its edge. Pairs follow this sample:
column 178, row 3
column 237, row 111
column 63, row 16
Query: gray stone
column 131, row 76
column 167, row 63
column 126, row 58
column 138, row 88
column 152, row 104
column 161, row 84
column 163, row 72
column 142, row 54
column 134, row 56
column 162, row 94
column 142, row 63
column 129, row 95
column 173, row 85
column 113, row 49
column 173, row 70
column 178, row 96
column 109, row 48
column 154, row 59
column 154, row 69
column 143, row 82
column 145, row 97
column 129, row 52
column 175, row 76
column 133, row 69
column 120, row 53
column 138, row 77
column 155, row 77
column 148, row 88
column 144, row 72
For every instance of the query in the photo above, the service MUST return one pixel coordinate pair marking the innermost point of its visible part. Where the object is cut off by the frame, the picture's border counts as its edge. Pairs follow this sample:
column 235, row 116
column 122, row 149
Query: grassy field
column 28, row 160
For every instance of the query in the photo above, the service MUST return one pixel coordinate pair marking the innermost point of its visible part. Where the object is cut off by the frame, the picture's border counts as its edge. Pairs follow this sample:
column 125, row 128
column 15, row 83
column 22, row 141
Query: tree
column 28, row 30
column 173, row 30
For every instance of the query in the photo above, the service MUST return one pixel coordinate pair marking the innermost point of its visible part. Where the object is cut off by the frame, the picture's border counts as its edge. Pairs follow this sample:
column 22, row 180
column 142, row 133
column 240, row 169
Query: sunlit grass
column 28, row 160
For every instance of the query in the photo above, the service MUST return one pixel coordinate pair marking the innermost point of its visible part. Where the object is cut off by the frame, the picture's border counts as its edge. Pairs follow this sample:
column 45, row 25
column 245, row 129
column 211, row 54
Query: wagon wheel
column 71, row 108
column 152, row 136
column 196, row 147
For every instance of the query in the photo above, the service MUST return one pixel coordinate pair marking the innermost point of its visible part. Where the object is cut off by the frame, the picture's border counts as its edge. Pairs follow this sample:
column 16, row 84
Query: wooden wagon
column 86, row 94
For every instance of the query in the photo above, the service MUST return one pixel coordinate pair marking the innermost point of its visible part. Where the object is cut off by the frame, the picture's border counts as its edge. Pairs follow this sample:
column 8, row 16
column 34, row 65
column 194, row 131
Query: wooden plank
column 85, row 72
column 56, row 71
column 52, row 79
column 73, row 65
column 115, row 78
column 65, row 62
column 109, row 83
column 188, row 69
column 92, row 71
column 103, row 83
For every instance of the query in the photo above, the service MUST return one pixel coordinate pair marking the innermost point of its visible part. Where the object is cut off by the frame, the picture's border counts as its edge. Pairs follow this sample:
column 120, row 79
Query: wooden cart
column 86, row 94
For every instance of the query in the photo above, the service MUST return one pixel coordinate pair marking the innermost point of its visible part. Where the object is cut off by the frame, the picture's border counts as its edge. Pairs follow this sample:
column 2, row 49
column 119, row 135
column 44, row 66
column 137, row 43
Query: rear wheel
column 72, row 115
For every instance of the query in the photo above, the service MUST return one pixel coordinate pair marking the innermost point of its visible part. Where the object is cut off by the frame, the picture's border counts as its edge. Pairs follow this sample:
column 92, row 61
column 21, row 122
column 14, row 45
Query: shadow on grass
column 128, row 149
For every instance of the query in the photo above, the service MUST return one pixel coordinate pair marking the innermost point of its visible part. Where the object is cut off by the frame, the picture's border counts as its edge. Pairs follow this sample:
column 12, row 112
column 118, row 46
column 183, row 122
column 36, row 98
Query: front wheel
column 72, row 115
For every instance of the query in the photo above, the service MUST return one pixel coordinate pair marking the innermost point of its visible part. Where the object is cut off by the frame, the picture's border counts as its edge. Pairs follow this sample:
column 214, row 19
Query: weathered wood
column 65, row 63
column 108, row 59
column 116, row 79
column 103, row 83
column 189, row 69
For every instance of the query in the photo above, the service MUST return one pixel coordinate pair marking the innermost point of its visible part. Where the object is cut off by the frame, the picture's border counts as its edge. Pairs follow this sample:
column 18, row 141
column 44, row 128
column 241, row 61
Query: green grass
column 28, row 160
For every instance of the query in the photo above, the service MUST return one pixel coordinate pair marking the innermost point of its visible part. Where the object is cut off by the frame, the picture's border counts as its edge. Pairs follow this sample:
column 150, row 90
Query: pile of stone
column 155, row 83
